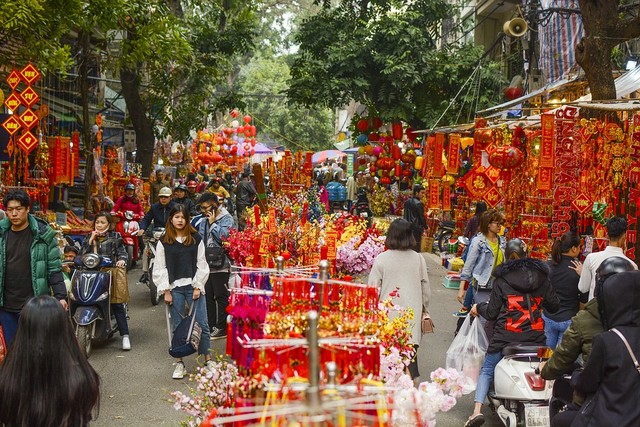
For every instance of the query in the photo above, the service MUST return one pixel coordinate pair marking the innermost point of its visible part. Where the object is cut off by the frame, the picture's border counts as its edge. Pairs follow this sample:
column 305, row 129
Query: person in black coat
column 520, row 291
column 610, row 377
column 414, row 213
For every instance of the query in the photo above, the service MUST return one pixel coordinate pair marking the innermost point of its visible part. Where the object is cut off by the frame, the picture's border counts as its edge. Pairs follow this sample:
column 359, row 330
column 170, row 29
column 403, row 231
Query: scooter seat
column 448, row 224
column 515, row 349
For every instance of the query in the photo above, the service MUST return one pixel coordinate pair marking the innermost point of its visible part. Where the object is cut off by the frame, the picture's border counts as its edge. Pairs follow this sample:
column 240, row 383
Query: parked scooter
column 90, row 299
column 150, row 247
column 521, row 396
column 444, row 233
column 128, row 227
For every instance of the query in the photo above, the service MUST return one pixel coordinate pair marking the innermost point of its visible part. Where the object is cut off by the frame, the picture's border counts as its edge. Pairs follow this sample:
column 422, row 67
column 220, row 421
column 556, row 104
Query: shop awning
column 626, row 84
column 630, row 105
column 542, row 91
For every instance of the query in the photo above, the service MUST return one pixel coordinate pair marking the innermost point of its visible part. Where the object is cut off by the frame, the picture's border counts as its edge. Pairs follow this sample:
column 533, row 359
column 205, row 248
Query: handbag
column 626, row 344
column 119, row 285
column 215, row 255
column 186, row 336
column 3, row 345
column 427, row 324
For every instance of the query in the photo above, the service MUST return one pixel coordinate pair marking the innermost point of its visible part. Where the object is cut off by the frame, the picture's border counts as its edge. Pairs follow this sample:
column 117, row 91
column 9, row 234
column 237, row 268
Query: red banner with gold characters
column 633, row 201
column 546, row 141
column 446, row 197
column 453, row 157
column 434, row 194
column 331, row 239
column 438, row 150
column 60, row 160
column 566, row 174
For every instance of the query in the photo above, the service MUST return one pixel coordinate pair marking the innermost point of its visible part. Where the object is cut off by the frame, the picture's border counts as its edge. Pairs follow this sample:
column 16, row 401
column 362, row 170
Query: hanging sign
column 28, row 119
column 27, row 142
column 438, row 150
column 12, row 125
column 492, row 197
column 12, row 102
column 29, row 74
column 453, row 158
column 633, row 201
column 546, row 141
column 330, row 239
column 29, row 96
column 13, row 79
column 434, row 194
column 446, row 197
column 271, row 225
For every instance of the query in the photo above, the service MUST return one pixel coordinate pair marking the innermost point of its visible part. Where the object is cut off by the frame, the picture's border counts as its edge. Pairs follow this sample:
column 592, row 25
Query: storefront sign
column 453, row 157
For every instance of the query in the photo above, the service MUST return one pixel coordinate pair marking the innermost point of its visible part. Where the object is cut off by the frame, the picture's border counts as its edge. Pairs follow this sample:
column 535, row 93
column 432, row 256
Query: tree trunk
column 145, row 138
column 604, row 29
column 87, row 135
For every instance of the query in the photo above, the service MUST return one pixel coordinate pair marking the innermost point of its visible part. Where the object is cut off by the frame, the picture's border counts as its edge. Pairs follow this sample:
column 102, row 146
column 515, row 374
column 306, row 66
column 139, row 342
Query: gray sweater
column 406, row 270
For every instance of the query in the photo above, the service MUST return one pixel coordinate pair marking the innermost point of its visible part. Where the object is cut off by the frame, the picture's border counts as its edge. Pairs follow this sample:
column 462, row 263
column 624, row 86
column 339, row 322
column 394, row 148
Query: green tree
column 263, row 84
column 382, row 54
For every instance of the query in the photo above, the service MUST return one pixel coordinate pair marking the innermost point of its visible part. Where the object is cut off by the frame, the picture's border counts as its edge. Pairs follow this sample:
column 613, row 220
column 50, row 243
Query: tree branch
column 629, row 28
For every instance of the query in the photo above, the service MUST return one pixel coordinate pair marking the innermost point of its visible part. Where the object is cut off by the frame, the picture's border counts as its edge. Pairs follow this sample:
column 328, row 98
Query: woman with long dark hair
column 46, row 380
column 181, row 271
column 402, row 268
column 108, row 243
column 564, row 276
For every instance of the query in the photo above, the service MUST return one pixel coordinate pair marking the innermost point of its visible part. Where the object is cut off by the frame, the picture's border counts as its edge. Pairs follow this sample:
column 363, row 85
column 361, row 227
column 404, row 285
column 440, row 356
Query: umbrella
column 352, row 150
column 323, row 156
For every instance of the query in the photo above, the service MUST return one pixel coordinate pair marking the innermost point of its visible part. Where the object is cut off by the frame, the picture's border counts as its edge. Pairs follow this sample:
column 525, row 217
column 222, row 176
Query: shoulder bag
column 186, row 336
column 215, row 255
column 626, row 344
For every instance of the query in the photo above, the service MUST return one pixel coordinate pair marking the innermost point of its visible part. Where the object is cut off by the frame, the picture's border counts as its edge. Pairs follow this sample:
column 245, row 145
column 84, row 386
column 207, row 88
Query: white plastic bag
column 467, row 351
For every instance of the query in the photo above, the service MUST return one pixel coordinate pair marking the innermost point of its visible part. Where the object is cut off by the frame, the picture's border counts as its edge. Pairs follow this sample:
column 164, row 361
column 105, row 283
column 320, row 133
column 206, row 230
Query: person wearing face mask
column 108, row 243
column 213, row 224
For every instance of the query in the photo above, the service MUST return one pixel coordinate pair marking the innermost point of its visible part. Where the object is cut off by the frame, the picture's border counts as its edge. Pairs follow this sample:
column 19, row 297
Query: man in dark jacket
column 27, row 245
column 245, row 197
column 414, row 213
column 520, row 290
column 158, row 215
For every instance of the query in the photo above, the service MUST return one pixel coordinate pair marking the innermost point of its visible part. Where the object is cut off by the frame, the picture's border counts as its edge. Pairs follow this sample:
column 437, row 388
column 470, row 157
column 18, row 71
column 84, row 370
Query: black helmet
column 515, row 246
column 612, row 265
column 182, row 187
column 129, row 186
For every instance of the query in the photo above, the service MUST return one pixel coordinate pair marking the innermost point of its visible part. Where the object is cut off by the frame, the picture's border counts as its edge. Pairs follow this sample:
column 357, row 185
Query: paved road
column 136, row 385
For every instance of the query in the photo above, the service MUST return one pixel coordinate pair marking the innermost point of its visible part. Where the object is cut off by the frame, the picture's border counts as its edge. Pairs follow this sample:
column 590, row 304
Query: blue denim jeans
column 182, row 298
column 486, row 375
column 9, row 322
column 554, row 330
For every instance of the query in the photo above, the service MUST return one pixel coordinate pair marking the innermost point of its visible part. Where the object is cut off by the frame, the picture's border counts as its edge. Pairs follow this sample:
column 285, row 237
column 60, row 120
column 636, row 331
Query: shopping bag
column 467, row 351
column 186, row 336
column 119, row 285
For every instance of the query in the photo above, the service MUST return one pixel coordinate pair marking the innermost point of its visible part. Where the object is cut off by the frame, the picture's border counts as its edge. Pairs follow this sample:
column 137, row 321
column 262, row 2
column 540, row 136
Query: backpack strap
column 626, row 344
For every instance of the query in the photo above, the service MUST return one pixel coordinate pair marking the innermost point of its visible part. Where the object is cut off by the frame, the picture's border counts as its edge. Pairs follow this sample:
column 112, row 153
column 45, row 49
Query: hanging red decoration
column 363, row 125
column 483, row 137
column 377, row 122
column 374, row 137
column 396, row 130
column 247, row 119
column 506, row 157
column 411, row 134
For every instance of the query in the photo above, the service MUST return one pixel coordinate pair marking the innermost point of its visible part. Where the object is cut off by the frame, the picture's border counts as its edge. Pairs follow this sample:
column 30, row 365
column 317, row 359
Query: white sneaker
column 210, row 365
column 179, row 371
column 126, row 344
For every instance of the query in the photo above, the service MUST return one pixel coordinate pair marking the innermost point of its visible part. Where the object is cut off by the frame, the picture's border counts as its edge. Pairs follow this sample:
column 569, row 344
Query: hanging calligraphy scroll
column 453, row 157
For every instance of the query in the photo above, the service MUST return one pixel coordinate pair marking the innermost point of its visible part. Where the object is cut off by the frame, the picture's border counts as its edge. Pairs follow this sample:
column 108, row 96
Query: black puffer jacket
column 609, row 375
column 520, row 290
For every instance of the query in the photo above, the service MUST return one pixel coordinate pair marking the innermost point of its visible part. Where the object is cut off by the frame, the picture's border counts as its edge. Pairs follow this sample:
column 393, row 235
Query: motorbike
column 90, row 300
column 521, row 396
column 150, row 247
column 444, row 233
column 128, row 227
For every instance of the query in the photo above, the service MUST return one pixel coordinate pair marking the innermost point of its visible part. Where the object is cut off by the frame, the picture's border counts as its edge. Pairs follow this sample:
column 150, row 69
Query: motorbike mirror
column 463, row 240
column 545, row 353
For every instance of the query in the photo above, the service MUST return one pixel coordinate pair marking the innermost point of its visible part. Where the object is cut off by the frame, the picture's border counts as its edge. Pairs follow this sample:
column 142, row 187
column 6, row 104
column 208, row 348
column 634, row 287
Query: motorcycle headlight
column 103, row 296
column 90, row 260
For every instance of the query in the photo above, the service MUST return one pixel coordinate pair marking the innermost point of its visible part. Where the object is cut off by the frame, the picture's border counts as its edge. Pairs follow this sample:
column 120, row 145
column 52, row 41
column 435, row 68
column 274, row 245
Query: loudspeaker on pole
column 517, row 27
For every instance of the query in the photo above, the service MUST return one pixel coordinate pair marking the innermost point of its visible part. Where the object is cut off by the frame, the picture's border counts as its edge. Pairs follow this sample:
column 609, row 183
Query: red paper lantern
column 396, row 152
column 483, row 136
column 513, row 93
column 247, row 119
column 396, row 130
column 377, row 122
column 506, row 157
column 385, row 180
column 374, row 137
column 235, row 113
column 363, row 125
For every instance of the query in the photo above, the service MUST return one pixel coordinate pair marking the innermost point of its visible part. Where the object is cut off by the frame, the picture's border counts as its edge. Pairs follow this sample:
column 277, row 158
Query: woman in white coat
column 403, row 268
